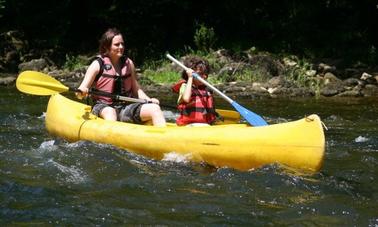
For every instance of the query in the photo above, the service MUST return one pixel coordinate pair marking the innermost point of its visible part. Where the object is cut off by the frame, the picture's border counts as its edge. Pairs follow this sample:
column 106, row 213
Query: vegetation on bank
column 161, row 71
column 258, row 66
column 310, row 29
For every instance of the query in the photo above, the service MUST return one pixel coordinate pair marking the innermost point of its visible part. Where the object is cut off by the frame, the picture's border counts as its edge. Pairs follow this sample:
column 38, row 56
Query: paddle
column 249, row 116
column 36, row 83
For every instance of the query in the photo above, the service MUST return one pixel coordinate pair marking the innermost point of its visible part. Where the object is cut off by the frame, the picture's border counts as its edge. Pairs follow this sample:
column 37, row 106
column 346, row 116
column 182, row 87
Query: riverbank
column 246, row 74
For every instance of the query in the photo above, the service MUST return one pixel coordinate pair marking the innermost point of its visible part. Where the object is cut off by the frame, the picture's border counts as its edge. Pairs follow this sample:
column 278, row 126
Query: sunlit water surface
column 44, row 180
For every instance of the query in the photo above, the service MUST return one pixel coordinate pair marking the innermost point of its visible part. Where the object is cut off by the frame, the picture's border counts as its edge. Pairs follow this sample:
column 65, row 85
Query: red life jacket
column 199, row 109
column 109, row 81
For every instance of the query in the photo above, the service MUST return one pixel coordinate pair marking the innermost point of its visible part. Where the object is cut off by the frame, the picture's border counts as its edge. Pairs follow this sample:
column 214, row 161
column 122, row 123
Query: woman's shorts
column 125, row 113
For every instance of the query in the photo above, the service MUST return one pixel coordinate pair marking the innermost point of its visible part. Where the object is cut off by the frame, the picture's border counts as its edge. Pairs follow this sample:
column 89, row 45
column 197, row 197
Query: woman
column 114, row 73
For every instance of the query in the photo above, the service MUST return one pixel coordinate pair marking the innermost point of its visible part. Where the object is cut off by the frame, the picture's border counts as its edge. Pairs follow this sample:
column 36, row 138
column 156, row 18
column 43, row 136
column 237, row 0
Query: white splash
column 175, row 157
column 361, row 139
column 48, row 145
column 43, row 116
column 73, row 174
column 75, row 144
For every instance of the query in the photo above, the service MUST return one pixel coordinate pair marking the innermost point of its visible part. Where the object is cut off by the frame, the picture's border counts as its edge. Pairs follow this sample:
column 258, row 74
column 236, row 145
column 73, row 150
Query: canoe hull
column 298, row 144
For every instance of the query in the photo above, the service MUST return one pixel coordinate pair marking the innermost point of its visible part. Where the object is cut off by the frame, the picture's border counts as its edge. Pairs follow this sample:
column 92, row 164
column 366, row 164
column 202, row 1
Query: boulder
column 370, row 90
column 351, row 82
column 35, row 64
column 7, row 80
column 332, row 88
column 266, row 65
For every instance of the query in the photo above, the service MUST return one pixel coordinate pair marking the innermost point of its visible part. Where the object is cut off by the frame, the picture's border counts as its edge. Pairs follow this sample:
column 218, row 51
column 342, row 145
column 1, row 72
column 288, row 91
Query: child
column 195, row 102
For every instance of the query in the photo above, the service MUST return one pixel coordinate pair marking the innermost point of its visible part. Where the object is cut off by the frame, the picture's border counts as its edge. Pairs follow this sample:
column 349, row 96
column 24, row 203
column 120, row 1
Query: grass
column 162, row 77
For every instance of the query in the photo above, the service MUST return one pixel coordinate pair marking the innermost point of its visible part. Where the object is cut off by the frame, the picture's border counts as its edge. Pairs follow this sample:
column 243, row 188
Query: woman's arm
column 90, row 75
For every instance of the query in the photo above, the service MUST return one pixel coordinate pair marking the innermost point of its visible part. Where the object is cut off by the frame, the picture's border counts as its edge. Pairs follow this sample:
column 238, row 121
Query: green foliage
column 372, row 55
column 298, row 70
column 73, row 63
column 2, row 7
column 204, row 38
column 159, row 71
column 162, row 77
column 299, row 75
column 215, row 65
column 248, row 74
column 251, row 75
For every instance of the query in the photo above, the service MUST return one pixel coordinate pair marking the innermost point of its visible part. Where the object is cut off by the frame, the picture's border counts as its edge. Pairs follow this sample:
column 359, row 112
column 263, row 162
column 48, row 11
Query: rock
column 311, row 73
column 368, row 78
column 277, row 81
column 351, row 82
column 57, row 74
column 256, row 87
column 350, row 93
column 7, row 80
column 223, row 53
column 35, row 64
column 289, row 62
column 12, row 44
column 331, row 78
column 328, row 92
column 11, row 60
column 266, row 65
column 234, row 89
column 332, row 88
column 302, row 92
column 11, row 57
column 365, row 76
column 324, row 68
column 272, row 90
column 370, row 90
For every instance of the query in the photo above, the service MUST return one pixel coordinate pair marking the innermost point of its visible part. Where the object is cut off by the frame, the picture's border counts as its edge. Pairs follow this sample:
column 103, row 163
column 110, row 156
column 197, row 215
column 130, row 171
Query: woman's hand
column 82, row 93
column 153, row 100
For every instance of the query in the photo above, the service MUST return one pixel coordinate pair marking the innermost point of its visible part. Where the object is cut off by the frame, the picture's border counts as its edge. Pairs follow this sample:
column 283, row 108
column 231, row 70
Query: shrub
column 298, row 75
column 204, row 38
column 73, row 63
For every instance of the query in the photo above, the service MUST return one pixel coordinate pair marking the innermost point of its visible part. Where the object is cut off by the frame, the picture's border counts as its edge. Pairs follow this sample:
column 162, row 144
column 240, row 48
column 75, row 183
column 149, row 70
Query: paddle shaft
column 37, row 83
column 198, row 77
column 113, row 96
column 118, row 97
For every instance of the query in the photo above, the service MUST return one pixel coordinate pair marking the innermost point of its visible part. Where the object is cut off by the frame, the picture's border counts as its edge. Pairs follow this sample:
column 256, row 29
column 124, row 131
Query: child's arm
column 188, row 89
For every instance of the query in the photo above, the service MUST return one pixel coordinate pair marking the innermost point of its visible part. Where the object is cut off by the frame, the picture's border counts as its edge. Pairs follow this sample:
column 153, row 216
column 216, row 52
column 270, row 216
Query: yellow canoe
column 297, row 144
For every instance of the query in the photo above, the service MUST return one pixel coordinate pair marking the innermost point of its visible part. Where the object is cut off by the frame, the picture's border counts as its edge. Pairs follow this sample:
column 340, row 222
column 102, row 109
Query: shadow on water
column 47, row 181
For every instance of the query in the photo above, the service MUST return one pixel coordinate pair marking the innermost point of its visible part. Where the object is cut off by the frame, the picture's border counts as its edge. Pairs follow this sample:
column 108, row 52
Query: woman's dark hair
column 106, row 40
column 195, row 63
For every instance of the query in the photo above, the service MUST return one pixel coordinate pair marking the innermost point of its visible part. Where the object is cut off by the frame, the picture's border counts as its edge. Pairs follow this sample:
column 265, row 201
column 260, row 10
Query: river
column 48, row 181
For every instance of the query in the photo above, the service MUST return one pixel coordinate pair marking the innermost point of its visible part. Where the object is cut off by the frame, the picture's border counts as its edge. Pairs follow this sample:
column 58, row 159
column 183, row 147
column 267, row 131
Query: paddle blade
column 249, row 116
column 36, row 83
